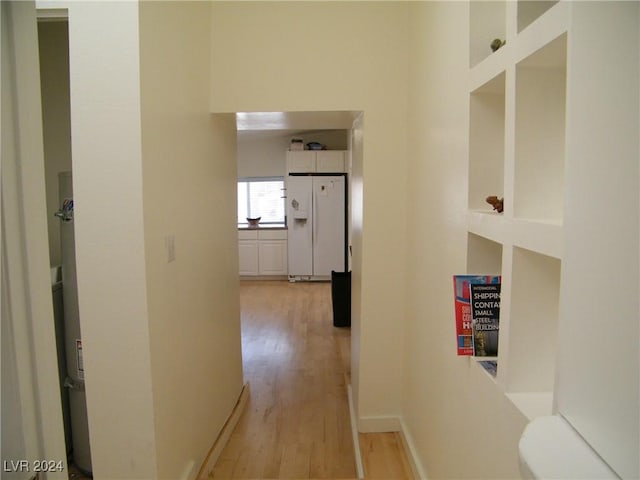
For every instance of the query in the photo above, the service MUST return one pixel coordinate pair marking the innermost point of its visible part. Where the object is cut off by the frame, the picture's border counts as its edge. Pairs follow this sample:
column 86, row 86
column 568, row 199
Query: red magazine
column 464, row 332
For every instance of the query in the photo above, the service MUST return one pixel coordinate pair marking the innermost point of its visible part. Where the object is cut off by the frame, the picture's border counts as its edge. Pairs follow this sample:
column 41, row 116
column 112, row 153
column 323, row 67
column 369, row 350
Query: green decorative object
column 497, row 43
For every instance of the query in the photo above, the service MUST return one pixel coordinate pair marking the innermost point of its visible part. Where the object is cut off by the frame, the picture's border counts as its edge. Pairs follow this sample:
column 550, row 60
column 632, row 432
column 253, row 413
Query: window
column 261, row 197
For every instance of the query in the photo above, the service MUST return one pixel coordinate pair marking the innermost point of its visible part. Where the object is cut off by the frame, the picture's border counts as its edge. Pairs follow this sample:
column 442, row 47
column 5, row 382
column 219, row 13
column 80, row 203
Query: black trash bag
column 341, row 298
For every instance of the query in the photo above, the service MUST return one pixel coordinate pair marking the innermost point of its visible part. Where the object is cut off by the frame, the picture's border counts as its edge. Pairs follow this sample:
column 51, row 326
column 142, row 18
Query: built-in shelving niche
column 530, row 10
column 540, row 133
column 484, row 256
column 486, row 143
column 487, row 22
column 533, row 325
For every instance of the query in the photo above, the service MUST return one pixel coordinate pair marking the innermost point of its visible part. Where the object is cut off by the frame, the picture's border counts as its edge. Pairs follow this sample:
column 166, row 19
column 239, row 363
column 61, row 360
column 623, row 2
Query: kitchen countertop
column 275, row 226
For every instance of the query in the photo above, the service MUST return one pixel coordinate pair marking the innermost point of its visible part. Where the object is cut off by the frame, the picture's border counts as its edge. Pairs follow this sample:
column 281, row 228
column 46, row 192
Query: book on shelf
column 490, row 366
column 462, row 302
column 485, row 318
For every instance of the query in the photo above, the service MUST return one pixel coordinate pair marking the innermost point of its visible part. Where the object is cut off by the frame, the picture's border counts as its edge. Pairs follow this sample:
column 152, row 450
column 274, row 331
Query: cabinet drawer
column 272, row 234
column 247, row 234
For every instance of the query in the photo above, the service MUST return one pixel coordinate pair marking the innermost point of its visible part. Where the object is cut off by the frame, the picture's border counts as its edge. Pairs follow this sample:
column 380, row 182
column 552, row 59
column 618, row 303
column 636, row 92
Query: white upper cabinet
column 330, row 161
column 301, row 161
column 316, row 161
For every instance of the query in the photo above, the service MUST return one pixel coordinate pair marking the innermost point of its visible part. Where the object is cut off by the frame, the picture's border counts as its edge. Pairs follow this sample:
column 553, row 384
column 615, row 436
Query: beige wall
column 54, row 83
column 162, row 340
column 109, row 234
column 189, row 184
column 262, row 157
column 462, row 425
column 335, row 56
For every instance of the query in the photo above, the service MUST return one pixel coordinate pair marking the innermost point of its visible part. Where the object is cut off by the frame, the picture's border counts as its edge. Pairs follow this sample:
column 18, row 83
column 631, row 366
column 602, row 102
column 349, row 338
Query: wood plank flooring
column 296, row 424
column 383, row 456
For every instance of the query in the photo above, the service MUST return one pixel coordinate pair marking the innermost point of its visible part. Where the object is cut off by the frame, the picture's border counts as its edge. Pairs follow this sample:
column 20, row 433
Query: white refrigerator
column 316, row 220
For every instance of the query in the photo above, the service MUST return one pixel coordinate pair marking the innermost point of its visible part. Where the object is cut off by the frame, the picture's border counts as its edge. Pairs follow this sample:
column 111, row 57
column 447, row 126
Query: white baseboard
column 354, row 433
column 225, row 434
column 379, row 424
column 417, row 469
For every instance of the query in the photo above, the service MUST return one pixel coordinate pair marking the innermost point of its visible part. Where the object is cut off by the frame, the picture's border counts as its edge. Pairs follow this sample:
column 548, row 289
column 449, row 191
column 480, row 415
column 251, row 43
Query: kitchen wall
column 54, row 82
column 263, row 154
column 261, row 61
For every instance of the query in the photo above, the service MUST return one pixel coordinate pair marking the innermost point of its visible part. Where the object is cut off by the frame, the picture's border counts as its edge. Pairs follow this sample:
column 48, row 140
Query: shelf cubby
column 540, row 133
column 487, row 22
column 533, row 323
column 484, row 256
column 486, row 143
column 530, row 10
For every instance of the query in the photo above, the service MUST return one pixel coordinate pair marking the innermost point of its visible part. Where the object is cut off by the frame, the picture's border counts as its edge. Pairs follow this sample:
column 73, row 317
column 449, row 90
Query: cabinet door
column 272, row 257
column 301, row 161
column 248, row 253
column 330, row 161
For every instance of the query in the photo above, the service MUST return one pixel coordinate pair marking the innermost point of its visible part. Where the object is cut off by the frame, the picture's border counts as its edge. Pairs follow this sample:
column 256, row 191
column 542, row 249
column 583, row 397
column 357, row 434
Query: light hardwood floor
column 296, row 423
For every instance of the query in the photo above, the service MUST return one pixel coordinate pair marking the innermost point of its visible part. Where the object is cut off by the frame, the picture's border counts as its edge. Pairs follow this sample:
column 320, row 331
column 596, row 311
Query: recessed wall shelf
column 553, row 123
column 533, row 322
column 540, row 133
column 483, row 256
column 517, row 123
column 487, row 22
column 530, row 10
column 486, row 143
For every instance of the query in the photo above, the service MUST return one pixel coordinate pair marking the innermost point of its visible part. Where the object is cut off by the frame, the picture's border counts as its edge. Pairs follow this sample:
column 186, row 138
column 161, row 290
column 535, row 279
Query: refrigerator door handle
column 314, row 209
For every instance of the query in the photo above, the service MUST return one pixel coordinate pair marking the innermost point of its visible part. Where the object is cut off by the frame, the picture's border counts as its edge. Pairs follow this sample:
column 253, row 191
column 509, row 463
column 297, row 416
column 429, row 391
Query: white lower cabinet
column 248, row 253
column 272, row 257
column 262, row 252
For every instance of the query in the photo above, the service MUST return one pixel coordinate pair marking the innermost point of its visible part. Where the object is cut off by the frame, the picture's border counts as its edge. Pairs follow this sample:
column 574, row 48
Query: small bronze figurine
column 496, row 203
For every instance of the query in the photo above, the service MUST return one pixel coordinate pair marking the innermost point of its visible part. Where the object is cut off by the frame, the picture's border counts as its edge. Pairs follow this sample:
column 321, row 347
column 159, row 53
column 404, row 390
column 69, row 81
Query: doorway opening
column 53, row 39
column 296, row 360
column 264, row 141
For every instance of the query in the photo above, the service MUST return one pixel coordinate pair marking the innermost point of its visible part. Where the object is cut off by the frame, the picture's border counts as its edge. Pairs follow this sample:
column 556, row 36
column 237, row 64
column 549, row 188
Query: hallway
column 296, row 423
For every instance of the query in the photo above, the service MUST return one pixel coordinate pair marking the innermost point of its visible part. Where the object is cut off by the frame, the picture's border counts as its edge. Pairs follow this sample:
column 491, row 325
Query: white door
column 328, row 225
column 300, row 225
column 32, row 426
